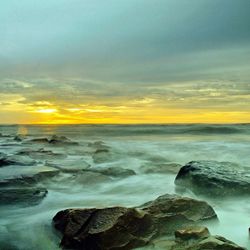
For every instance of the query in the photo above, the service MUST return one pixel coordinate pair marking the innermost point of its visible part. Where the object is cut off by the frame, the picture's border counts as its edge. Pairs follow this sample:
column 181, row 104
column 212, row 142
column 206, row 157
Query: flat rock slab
column 23, row 196
column 216, row 179
column 35, row 172
column 7, row 160
column 113, row 171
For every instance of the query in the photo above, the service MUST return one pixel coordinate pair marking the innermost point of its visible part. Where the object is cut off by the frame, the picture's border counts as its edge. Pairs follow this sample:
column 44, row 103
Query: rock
column 40, row 140
column 172, row 211
column 206, row 243
column 88, row 178
column 220, row 178
column 54, row 140
column 24, row 196
column 29, row 180
column 192, row 233
column 41, row 154
column 114, row 171
column 6, row 160
column 215, row 243
column 19, row 138
column 102, row 155
column 98, row 145
column 127, row 228
column 194, row 238
column 8, row 245
column 69, row 165
column 108, row 228
column 162, row 168
column 67, row 180
column 5, row 136
column 61, row 140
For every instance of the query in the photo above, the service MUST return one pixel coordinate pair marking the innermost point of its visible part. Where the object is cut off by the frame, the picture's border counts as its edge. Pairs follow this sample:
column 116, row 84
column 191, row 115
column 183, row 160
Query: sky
column 124, row 61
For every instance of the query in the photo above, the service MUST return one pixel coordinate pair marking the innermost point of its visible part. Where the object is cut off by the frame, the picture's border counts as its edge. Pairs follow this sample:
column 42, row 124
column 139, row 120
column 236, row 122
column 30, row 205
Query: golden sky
column 182, row 103
column 133, row 61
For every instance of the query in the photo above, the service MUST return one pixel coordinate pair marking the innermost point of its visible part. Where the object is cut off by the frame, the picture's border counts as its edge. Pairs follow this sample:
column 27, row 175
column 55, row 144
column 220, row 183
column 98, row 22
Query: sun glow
column 46, row 111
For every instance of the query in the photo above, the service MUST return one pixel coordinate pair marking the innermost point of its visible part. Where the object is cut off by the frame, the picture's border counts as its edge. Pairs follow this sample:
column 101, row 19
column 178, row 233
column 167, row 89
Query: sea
column 141, row 148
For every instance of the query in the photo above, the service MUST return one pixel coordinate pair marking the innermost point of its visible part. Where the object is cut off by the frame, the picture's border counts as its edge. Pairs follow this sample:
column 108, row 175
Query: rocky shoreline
column 170, row 222
column 124, row 228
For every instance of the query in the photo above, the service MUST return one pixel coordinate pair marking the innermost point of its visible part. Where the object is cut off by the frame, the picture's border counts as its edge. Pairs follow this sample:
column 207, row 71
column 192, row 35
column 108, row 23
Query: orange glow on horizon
column 144, row 111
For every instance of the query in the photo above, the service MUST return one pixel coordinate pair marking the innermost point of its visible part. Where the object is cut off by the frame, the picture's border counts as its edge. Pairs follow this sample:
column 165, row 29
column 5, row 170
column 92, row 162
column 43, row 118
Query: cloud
column 116, row 59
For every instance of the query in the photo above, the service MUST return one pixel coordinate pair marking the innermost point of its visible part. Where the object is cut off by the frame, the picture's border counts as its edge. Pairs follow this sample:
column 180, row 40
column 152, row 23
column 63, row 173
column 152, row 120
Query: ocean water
column 137, row 147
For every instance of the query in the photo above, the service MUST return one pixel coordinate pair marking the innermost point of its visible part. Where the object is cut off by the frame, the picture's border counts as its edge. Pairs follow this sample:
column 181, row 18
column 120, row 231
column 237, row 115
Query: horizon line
column 114, row 124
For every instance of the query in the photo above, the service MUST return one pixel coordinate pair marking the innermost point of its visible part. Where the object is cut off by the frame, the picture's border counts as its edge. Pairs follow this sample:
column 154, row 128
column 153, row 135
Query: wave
column 216, row 130
column 133, row 130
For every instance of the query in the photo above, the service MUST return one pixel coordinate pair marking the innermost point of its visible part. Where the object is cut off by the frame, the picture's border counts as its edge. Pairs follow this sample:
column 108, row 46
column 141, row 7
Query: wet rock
column 72, row 165
column 24, row 196
column 5, row 136
column 114, row 171
column 29, row 180
column 6, row 160
column 215, row 243
column 200, row 239
column 127, row 228
column 108, row 228
column 220, row 178
column 98, row 145
column 192, row 233
column 40, row 140
column 41, row 154
column 172, row 212
column 88, row 178
column 61, row 140
column 66, row 180
column 54, row 140
column 102, row 155
column 162, row 168
column 194, row 238
column 19, row 138
column 8, row 245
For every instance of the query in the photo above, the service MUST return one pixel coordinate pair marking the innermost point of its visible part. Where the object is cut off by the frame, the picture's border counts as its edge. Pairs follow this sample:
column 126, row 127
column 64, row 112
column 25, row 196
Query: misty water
column 135, row 147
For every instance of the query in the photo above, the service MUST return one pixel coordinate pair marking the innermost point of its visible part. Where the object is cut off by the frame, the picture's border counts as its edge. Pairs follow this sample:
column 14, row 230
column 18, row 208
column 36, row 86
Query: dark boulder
column 220, row 178
column 108, row 228
column 128, row 228
column 172, row 211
